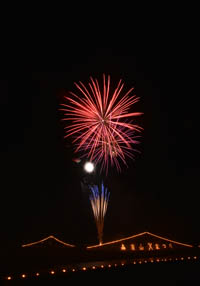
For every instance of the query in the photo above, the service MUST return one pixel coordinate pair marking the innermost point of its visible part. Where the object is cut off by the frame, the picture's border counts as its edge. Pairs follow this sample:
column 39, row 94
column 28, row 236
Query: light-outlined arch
column 46, row 239
column 137, row 235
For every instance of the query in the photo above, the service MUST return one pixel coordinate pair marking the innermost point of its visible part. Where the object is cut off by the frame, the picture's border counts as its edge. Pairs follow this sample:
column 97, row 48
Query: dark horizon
column 41, row 185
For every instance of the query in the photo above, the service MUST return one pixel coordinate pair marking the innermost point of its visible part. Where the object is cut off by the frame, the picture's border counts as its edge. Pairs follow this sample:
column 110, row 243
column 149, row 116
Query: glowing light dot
column 37, row 274
column 64, row 270
column 109, row 265
column 89, row 167
column 102, row 266
column 93, row 267
column 84, row 268
column 52, row 272
column 23, row 275
column 9, row 278
column 73, row 270
column 195, row 257
column 123, row 247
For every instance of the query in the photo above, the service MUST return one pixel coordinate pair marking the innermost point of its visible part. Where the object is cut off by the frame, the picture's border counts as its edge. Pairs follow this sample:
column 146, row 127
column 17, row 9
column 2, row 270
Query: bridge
column 51, row 256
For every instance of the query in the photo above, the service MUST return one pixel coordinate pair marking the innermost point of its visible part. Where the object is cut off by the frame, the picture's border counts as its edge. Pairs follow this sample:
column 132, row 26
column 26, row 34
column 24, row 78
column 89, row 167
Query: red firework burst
column 98, row 122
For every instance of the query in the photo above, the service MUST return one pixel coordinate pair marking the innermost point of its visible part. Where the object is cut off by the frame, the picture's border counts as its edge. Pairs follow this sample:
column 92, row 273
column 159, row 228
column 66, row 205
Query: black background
column 40, row 184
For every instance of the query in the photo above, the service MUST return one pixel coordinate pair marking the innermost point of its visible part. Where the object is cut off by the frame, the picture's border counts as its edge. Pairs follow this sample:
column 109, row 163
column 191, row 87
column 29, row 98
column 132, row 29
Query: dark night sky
column 40, row 185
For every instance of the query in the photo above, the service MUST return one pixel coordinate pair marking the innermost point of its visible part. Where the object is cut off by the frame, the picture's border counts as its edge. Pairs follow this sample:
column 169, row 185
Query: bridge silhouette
column 52, row 256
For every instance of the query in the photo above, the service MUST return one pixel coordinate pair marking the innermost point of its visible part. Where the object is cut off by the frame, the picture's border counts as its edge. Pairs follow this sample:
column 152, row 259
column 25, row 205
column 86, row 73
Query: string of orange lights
column 107, row 243
column 102, row 266
column 137, row 235
column 47, row 238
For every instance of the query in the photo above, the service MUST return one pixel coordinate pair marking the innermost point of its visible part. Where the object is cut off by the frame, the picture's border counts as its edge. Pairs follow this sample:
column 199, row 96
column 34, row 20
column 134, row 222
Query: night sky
column 40, row 185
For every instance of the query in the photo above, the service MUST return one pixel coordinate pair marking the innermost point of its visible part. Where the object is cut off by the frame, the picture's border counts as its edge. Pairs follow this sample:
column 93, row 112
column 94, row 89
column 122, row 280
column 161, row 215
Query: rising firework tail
column 99, row 198
column 100, row 122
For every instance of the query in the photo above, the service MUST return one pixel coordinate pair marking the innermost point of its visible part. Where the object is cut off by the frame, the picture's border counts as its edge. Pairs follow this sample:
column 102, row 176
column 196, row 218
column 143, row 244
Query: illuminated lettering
column 157, row 246
column 150, row 246
column 164, row 245
column 170, row 245
column 123, row 247
column 133, row 246
column 141, row 247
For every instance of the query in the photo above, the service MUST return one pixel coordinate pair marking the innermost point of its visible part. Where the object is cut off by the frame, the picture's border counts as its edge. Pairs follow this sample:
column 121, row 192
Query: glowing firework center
column 89, row 167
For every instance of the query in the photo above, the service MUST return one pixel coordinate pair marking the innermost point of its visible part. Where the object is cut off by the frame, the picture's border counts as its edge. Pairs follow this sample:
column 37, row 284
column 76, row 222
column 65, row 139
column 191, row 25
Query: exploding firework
column 99, row 122
column 99, row 201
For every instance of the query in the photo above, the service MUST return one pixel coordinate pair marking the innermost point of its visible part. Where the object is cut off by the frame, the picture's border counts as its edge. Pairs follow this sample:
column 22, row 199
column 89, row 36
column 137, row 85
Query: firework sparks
column 99, row 202
column 99, row 122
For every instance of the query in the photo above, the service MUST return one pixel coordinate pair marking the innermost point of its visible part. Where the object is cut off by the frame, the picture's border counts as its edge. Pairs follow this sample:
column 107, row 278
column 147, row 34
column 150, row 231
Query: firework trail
column 100, row 122
column 99, row 202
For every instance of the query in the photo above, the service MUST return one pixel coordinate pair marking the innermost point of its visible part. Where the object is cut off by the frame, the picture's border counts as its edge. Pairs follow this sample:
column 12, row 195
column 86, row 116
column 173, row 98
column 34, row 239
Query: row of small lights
column 52, row 272
column 163, row 260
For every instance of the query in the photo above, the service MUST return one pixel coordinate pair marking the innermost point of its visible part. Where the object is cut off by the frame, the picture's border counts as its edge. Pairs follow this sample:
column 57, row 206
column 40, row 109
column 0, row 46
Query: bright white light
column 89, row 167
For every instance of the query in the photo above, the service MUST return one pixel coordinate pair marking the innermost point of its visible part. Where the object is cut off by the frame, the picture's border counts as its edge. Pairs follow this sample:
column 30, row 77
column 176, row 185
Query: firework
column 99, row 201
column 100, row 122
